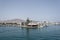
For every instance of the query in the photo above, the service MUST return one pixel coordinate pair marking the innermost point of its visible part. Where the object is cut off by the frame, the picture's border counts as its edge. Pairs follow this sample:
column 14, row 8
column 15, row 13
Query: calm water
column 17, row 33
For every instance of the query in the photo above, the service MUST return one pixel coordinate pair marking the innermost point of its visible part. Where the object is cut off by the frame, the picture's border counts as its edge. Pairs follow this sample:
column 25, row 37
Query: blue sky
column 41, row 10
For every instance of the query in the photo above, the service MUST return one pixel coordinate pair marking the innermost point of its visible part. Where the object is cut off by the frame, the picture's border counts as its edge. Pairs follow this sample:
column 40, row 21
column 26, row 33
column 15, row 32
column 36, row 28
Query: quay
column 24, row 24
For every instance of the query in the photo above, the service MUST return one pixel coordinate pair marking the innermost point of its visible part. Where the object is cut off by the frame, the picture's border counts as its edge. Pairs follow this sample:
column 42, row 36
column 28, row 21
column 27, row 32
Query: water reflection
column 27, row 34
column 31, row 33
column 50, row 32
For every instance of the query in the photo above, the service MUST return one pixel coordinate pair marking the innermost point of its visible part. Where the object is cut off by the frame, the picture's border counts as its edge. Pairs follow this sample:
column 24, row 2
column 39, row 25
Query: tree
column 22, row 23
column 27, row 21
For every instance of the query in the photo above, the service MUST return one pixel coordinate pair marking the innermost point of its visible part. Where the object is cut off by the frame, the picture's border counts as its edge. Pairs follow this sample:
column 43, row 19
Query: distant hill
column 13, row 21
column 16, row 21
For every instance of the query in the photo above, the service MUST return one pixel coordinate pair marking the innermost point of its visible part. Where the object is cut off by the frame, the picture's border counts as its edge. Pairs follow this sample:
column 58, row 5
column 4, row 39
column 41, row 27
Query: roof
column 31, row 23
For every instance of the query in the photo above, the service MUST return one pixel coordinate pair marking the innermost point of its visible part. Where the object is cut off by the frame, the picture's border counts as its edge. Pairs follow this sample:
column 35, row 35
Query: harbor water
column 17, row 33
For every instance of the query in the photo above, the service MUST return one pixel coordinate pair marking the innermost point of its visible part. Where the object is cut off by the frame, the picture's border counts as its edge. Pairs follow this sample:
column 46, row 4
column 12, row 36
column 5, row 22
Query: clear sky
column 34, row 9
